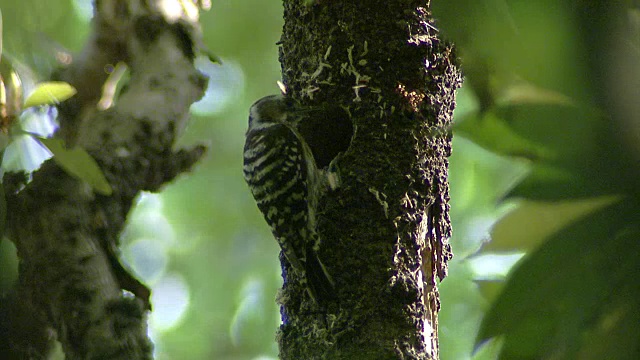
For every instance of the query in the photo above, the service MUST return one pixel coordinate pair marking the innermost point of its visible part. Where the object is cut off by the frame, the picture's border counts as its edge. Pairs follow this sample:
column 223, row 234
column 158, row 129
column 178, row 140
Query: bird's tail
column 319, row 282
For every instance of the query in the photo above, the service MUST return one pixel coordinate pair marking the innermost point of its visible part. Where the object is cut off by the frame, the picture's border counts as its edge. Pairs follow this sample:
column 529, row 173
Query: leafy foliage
column 79, row 163
column 572, row 290
column 50, row 93
column 575, row 295
column 76, row 161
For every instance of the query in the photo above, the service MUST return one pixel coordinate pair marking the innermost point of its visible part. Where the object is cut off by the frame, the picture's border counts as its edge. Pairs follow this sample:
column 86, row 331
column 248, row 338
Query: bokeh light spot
column 170, row 299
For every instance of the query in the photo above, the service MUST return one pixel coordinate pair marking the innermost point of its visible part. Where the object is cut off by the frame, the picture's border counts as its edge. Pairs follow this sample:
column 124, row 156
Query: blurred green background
column 202, row 245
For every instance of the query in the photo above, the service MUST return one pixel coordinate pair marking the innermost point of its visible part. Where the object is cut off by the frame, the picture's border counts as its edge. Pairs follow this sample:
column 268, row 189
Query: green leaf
column 3, row 212
column 5, row 140
column 547, row 183
column 0, row 35
column 493, row 133
column 553, row 182
column 578, row 286
column 49, row 93
column 77, row 162
column 541, row 219
column 526, row 93
column 570, row 133
column 11, row 89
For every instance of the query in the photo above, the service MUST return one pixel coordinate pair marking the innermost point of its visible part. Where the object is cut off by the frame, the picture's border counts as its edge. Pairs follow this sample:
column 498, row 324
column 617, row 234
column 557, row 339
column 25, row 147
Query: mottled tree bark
column 70, row 279
column 385, row 229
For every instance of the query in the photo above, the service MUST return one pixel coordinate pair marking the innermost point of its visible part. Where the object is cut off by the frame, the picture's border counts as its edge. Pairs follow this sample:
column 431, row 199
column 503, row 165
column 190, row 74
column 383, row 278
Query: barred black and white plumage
column 284, row 180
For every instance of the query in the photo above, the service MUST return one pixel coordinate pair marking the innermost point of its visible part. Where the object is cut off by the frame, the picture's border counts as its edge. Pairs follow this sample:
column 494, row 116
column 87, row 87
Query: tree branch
column 67, row 235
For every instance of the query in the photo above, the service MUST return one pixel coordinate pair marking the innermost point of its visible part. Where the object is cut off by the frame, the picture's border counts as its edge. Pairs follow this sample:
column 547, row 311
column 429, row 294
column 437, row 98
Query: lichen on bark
column 385, row 230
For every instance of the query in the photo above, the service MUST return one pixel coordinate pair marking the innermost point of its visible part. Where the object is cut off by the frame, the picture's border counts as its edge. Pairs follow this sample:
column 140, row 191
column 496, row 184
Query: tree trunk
column 385, row 229
column 70, row 279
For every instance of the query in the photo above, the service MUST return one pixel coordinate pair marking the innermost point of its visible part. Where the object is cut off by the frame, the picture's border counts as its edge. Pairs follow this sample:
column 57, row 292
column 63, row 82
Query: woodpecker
column 282, row 175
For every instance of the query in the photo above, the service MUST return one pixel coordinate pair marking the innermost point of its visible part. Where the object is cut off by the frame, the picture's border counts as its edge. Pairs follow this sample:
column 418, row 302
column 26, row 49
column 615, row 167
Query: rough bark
column 70, row 279
column 385, row 230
